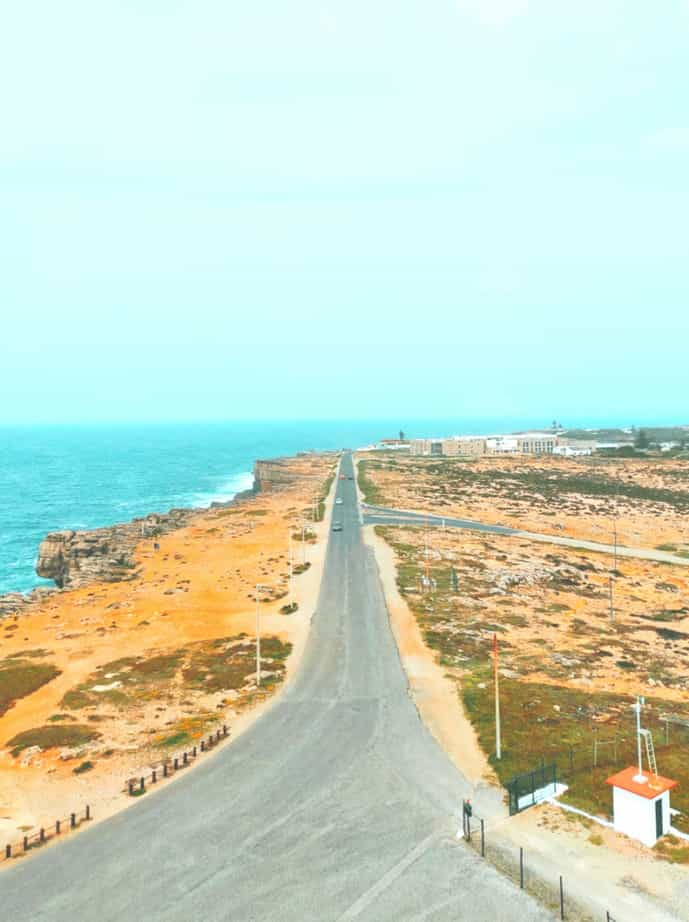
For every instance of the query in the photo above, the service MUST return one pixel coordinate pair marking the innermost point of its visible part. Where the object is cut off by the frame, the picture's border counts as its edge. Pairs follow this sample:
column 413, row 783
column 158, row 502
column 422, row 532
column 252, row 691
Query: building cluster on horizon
column 531, row 443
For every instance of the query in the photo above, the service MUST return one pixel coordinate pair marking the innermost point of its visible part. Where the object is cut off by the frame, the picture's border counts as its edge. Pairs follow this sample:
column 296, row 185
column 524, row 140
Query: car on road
column 338, row 501
column 337, row 526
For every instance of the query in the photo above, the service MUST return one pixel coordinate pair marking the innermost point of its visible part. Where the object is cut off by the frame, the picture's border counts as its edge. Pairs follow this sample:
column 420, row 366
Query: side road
column 382, row 515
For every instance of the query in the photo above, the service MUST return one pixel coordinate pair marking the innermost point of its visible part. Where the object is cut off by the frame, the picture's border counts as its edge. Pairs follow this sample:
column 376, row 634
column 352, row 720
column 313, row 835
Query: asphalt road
column 383, row 515
column 336, row 805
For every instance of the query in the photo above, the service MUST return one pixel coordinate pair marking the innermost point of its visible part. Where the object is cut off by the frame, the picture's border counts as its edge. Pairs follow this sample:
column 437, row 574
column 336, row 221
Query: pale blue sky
column 344, row 209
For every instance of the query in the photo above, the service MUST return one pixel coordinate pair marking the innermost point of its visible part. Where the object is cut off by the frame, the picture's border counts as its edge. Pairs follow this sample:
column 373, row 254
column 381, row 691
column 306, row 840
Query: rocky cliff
column 276, row 474
column 74, row 558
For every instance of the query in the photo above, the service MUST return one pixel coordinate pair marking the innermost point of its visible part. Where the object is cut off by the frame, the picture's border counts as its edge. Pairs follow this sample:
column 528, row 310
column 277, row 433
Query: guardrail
column 135, row 787
column 43, row 834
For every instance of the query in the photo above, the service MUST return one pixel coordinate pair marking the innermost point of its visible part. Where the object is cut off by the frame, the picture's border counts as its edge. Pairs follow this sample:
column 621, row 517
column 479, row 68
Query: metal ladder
column 650, row 751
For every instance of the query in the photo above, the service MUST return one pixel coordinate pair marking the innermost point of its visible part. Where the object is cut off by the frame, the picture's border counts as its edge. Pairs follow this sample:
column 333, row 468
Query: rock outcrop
column 277, row 474
column 74, row 558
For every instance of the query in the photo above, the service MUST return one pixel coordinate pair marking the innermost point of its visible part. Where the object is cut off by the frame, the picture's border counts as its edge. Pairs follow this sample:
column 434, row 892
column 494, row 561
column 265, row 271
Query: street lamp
column 291, row 565
column 259, row 586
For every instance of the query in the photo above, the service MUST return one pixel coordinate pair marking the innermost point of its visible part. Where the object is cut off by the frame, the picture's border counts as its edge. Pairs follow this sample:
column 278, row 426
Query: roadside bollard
column 176, row 763
column 57, row 827
column 203, row 746
column 41, row 834
column 224, row 729
column 165, row 770
column 26, row 843
column 142, row 784
column 72, row 820
column 88, row 812
column 154, row 777
column 131, row 786
column 185, row 759
column 193, row 752
column 8, row 851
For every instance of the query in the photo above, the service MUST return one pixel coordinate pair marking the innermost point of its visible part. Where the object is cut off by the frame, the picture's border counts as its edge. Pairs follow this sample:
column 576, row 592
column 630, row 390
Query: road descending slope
column 336, row 805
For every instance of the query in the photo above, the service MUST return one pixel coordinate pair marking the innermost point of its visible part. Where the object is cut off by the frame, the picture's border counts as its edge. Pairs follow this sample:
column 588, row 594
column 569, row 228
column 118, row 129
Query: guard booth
column 641, row 804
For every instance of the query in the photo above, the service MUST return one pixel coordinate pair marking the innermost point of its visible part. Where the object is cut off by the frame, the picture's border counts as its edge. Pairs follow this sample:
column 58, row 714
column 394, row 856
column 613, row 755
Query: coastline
column 184, row 596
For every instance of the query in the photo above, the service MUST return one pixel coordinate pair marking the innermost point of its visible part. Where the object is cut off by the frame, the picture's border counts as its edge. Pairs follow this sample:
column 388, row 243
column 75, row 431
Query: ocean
column 58, row 477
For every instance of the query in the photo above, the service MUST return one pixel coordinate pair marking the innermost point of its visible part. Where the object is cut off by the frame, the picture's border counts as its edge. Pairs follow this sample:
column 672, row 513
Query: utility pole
column 612, row 603
column 259, row 586
column 258, row 639
column 614, row 535
column 498, row 743
column 291, row 563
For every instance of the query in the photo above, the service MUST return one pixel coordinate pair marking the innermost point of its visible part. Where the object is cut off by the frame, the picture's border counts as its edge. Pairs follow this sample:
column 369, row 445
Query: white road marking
column 372, row 894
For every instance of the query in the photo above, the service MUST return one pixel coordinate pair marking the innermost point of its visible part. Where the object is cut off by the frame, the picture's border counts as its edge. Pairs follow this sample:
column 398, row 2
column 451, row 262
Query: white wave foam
column 225, row 491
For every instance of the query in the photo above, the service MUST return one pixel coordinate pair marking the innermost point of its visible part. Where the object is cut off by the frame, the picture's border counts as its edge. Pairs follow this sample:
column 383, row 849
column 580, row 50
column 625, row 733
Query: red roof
column 652, row 785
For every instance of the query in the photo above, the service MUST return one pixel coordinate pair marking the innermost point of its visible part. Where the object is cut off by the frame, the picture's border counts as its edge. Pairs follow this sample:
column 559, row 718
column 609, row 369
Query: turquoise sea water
column 87, row 476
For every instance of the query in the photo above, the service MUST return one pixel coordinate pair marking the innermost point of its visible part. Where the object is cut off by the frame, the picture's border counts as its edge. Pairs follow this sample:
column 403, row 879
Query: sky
column 299, row 209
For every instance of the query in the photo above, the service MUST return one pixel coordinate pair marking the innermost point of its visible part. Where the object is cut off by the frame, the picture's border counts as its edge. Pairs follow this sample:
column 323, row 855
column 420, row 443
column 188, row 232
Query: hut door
column 659, row 817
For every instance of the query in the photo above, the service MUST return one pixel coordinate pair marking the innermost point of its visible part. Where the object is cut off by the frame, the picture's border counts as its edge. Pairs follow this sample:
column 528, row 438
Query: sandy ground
column 434, row 694
column 411, row 483
column 197, row 587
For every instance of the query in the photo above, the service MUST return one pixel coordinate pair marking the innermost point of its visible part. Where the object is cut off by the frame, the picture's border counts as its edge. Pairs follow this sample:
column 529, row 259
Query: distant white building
column 498, row 444
column 568, row 451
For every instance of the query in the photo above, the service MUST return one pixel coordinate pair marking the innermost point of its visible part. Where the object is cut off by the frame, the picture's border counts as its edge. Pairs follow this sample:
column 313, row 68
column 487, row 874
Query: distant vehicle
column 350, row 477
column 338, row 501
column 342, row 477
column 337, row 526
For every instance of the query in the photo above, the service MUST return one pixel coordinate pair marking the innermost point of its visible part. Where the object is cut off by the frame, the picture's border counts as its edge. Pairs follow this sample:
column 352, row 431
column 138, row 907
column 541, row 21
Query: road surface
column 383, row 515
column 337, row 804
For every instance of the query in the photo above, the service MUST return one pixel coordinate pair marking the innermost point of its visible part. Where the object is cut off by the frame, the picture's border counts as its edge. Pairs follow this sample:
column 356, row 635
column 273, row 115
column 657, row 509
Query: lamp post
column 291, row 564
column 259, row 586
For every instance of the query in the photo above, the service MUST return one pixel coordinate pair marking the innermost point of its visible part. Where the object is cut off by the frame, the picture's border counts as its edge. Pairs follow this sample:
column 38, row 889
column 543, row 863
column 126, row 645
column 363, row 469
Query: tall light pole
column 291, row 564
column 498, row 741
column 259, row 586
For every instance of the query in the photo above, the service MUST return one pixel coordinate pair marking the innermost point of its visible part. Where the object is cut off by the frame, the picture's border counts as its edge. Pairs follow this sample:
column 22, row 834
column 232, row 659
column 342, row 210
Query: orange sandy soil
column 425, row 484
column 197, row 587
column 551, row 608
